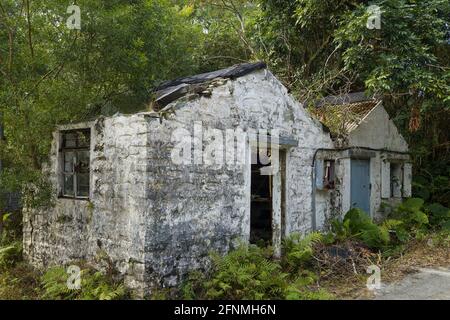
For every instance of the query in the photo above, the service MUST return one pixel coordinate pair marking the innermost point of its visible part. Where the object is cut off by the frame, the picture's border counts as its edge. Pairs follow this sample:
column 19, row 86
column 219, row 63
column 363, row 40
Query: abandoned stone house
column 119, row 193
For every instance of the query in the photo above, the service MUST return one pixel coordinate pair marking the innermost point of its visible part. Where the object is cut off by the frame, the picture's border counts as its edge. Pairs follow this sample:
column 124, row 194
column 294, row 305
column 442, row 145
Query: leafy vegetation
column 410, row 219
column 298, row 251
column 357, row 224
column 18, row 280
column 10, row 255
column 94, row 286
column 250, row 273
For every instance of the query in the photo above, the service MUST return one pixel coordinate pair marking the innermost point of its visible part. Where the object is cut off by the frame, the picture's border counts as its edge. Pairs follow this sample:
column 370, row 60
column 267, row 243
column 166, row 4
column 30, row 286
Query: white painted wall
column 378, row 131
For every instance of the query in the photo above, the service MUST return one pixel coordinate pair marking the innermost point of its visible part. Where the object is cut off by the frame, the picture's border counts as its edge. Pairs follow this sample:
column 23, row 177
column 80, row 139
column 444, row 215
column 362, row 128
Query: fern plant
column 54, row 283
column 10, row 255
column 439, row 216
column 246, row 273
column 300, row 289
column 94, row 286
column 358, row 225
column 411, row 213
column 299, row 250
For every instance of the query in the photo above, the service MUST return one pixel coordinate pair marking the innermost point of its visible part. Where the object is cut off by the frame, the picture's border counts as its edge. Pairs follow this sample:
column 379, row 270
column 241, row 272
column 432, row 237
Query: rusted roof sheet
column 343, row 114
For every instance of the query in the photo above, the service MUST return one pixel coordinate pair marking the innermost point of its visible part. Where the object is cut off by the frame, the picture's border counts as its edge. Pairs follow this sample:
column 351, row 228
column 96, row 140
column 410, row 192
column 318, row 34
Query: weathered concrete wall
column 197, row 209
column 155, row 219
column 111, row 226
column 378, row 131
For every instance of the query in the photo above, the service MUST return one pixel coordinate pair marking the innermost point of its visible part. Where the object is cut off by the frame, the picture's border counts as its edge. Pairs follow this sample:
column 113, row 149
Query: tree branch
column 30, row 41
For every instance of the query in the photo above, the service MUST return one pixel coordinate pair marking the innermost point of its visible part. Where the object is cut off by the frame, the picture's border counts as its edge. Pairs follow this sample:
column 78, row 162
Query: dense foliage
column 250, row 273
column 94, row 286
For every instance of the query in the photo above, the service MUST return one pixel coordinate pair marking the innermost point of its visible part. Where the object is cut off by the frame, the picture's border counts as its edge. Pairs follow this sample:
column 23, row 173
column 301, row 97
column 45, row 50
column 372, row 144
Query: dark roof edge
column 232, row 72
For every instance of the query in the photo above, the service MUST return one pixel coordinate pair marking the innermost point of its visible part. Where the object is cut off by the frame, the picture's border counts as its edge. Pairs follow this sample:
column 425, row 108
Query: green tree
column 324, row 47
column 52, row 74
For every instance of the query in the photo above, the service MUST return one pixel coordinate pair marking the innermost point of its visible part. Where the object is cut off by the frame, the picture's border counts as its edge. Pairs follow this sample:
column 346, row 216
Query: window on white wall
column 325, row 174
column 75, row 159
column 329, row 174
column 396, row 180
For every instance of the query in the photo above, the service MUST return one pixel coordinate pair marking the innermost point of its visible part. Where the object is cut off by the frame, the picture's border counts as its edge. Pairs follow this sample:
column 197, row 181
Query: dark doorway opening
column 261, row 207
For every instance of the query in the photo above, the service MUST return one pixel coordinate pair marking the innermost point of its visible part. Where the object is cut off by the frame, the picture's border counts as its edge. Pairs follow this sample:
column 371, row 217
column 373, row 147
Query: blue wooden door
column 360, row 185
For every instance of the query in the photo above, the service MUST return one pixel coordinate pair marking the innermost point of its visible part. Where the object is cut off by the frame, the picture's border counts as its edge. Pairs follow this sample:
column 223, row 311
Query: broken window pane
column 83, row 139
column 68, row 161
column 83, row 185
column 329, row 174
column 75, row 160
column 69, row 140
column 68, row 186
column 82, row 161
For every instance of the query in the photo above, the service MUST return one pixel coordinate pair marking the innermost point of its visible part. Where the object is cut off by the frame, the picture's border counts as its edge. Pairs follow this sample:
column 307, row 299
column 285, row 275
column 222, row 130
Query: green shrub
column 19, row 283
column 94, row 286
column 12, row 228
column 340, row 231
column 301, row 288
column 357, row 224
column 10, row 255
column 246, row 273
column 54, row 283
column 412, row 215
column 249, row 272
column 193, row 287
column 397, row 228
column 298, row 250
column 439, row 216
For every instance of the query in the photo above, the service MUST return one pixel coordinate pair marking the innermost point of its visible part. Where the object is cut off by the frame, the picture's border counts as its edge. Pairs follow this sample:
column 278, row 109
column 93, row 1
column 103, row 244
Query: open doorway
column 268, row 203
column 261, row 207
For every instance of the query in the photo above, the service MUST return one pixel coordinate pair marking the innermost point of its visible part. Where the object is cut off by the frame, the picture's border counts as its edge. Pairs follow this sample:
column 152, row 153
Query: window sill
column 73, row 198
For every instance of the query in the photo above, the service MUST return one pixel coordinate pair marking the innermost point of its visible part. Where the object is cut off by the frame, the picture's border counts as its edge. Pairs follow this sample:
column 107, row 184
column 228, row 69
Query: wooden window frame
column 76, row 150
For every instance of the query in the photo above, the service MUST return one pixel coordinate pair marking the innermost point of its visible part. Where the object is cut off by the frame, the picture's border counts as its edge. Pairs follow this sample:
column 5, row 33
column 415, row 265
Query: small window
column 396, row 179
column 75, row 159
column 329, row 174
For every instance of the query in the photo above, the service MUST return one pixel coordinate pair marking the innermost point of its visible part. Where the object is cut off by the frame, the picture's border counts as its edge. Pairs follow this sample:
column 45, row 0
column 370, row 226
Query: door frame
column 279, row 192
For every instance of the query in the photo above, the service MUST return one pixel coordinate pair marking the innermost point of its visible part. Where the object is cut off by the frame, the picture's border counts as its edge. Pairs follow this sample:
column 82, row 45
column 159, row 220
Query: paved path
column 426, row 284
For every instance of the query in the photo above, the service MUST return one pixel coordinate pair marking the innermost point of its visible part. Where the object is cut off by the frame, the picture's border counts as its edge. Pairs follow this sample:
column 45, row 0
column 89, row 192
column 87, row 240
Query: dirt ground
column 422, row 272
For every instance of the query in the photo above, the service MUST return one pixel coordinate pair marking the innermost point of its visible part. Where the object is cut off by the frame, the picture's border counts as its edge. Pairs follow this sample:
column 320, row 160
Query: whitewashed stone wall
column 157, row 220
column 111, row 225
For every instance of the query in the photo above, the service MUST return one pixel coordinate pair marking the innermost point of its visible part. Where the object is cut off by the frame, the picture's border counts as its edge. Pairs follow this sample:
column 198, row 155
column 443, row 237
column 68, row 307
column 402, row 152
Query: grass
column 20, row 282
